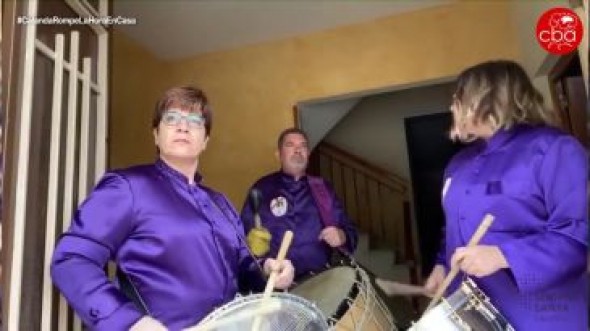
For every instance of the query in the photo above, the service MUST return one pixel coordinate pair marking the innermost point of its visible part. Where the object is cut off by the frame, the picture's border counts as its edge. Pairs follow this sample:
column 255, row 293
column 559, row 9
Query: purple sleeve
column 251, row 276
column 99, row 227
column 441, row 257
column 541, row 260
column 247, row 215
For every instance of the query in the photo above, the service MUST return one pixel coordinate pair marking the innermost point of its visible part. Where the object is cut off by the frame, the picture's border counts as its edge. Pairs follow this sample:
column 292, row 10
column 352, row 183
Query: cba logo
column 559, row 30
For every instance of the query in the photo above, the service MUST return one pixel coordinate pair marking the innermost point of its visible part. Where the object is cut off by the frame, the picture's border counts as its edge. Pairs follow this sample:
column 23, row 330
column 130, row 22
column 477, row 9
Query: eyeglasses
column 193, row 120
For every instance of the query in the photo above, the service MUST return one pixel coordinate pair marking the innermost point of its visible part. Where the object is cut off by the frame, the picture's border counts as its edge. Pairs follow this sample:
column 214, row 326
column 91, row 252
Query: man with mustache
column 289, row 199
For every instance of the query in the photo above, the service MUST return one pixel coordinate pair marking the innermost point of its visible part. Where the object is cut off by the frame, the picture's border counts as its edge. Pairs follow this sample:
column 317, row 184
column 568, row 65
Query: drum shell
column 346, row 296
column 468, row 308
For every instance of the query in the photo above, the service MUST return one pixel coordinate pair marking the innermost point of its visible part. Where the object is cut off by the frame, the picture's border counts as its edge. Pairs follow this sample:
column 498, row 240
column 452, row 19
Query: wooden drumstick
column 479, row 233
column 270, row 284
column 393, row 288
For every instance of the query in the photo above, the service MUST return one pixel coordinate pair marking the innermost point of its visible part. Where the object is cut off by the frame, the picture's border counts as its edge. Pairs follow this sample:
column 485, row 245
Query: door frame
column 20, row 45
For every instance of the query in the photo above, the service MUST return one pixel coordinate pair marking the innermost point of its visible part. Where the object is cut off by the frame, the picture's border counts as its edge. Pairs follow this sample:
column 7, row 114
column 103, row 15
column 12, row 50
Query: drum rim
column 242, row 299
column 470, row 290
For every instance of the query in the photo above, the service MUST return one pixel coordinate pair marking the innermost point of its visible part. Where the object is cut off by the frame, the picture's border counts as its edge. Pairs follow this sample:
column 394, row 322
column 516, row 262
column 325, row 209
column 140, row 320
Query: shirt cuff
column 121, row 318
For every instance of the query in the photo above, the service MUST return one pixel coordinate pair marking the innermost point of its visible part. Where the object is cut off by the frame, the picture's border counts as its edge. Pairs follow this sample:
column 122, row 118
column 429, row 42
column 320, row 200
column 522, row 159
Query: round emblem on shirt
column 278, row 206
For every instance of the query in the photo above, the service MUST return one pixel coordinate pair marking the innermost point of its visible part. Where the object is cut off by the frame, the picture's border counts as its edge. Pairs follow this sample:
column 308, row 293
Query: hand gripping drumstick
column 481, row 230
column 270, row 284
column 267, row 307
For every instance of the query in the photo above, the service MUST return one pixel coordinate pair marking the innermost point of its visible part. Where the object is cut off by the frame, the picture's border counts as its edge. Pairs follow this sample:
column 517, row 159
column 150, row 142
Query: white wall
column 318, row 119
column 374, row 129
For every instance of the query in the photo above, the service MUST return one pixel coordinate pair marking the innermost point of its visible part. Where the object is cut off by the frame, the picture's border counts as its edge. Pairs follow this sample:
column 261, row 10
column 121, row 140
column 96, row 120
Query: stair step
column 381, row 261
column 363, row 242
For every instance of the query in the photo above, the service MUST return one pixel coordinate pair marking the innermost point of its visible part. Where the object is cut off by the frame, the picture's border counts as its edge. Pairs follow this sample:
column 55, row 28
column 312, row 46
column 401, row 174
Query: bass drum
column 345, row 295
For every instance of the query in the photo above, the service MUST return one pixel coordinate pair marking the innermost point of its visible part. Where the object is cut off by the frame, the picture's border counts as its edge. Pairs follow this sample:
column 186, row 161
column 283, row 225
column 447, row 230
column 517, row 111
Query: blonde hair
column 498, row 94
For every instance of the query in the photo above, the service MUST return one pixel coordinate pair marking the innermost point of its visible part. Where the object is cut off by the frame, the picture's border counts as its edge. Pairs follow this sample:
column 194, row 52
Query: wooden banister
column 399, row 183
column 374, row 197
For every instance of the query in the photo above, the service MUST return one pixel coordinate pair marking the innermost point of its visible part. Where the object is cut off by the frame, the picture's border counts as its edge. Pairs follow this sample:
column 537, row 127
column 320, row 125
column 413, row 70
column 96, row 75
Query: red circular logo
column 559, row 30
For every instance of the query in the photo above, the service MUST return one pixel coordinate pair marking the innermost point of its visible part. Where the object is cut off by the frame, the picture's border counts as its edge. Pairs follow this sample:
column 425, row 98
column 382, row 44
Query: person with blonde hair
column 532, row 178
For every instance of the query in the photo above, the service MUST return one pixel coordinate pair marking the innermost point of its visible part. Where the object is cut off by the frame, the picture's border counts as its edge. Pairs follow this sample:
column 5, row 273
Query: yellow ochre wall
column 137, row 78
column 253, row 89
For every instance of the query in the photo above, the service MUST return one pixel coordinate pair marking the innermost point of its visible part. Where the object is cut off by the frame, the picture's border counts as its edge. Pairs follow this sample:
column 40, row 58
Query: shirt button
column 468, row 191
column 94, row 313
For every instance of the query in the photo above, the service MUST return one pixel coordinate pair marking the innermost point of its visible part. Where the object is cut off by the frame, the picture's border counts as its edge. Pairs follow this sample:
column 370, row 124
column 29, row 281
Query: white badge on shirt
column 278, row 206
column 446, row 187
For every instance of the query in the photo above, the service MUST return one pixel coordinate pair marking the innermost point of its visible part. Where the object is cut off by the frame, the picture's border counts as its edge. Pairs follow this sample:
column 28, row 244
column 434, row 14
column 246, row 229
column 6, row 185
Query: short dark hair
column 290, row 131
column 187, row 98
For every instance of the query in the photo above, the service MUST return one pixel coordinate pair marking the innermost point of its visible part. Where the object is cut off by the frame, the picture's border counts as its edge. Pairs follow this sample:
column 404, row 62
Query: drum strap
column 324, row 202
column 131, row 292
column 322, row 199
column 220, row 204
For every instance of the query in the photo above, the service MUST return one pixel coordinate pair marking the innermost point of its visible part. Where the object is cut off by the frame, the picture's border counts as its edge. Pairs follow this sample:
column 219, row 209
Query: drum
column 281, row 311
column 346, row 297
column 466, row 309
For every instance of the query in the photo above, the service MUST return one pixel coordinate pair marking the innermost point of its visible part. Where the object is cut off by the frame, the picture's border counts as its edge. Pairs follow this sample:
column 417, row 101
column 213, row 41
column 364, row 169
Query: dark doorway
column 429, row 151
column 568, row 92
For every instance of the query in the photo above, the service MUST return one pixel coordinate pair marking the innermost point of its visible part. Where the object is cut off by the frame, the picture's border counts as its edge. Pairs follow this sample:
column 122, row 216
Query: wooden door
column 569, row 97
column 55, row 96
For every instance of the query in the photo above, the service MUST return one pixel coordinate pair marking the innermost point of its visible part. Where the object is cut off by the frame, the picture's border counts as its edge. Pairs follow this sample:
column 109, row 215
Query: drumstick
column 481, row 230
column 270, row 284
column 255, row 197
column 393, row 288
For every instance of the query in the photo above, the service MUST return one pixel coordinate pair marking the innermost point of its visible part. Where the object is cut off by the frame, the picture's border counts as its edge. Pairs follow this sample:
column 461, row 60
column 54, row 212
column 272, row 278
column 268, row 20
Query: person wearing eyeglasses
column 179, row 246
column 531, row 177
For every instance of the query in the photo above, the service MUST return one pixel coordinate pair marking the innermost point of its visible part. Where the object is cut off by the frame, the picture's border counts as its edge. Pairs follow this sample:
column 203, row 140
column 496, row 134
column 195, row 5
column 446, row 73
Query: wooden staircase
column 376, row 199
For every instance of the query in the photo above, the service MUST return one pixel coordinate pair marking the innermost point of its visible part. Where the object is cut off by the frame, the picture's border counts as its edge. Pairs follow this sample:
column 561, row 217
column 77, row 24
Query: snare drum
column 466, row 309
column 345, row 295
column 281, row 311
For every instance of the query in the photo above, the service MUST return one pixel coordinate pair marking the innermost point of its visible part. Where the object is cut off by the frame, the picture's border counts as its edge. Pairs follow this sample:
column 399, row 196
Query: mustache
column 298, row 158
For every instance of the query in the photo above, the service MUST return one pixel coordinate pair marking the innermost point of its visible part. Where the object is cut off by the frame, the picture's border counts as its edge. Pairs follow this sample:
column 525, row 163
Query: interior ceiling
column 176, row 29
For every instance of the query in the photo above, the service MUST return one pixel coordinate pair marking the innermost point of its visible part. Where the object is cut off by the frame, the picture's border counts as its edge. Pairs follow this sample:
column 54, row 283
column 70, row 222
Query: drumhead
column 282, row 311
column 329, row 289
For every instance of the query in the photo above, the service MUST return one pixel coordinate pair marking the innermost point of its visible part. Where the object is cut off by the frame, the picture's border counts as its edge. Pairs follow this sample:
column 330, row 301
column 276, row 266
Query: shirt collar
column 501, row 138
column 176, row 175
column 287, row 178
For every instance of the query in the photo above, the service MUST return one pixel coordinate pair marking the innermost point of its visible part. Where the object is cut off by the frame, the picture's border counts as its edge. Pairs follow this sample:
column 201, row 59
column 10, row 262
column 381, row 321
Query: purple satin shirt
column 288, row 204
column 182, row 247
column 533, row 180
